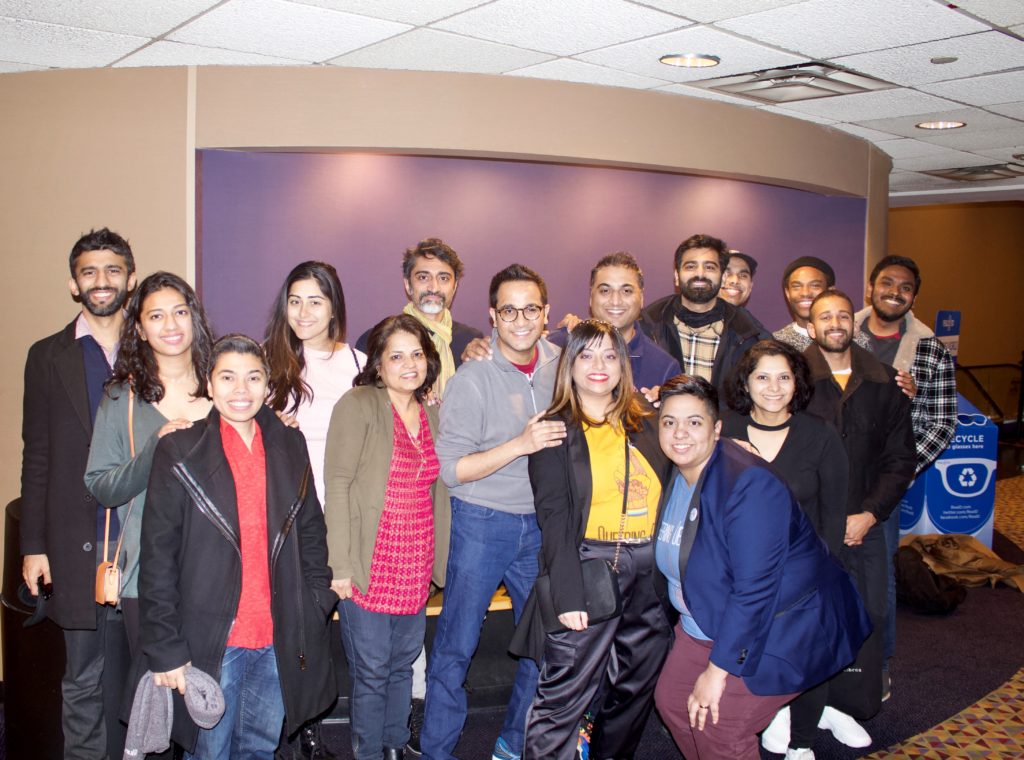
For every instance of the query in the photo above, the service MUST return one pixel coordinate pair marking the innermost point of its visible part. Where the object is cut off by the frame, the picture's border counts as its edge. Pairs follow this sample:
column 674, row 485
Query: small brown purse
column 108, row 574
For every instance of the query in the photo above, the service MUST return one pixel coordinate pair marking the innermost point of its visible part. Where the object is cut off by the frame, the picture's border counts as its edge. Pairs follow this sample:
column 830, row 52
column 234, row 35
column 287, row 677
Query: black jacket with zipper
column 190, row 576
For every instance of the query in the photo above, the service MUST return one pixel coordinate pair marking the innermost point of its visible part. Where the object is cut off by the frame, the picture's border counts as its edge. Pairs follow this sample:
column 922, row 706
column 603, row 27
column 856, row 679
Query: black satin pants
column 621, row 657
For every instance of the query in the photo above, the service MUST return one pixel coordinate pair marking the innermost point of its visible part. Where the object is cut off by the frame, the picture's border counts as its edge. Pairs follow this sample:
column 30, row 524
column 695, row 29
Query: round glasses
column 511, row 313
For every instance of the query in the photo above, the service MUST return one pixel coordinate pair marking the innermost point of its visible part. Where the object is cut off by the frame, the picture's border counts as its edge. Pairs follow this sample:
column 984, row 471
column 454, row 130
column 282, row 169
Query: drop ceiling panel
column 975, row 119
column 983, row 90
column 949, row 159
column 285, row 30
column 910, row 65
column 829, row 28
column 418, row 12
column 805, row 117
column 996, row 138
column 738, row 55
column 907, row 148
column 9, row 67
column 873, row 135
column 714, row 10
column 999, row 12
column 563, row 28
column 145, row 19
column 434, row 50
column 700, row 92
column 1004, row 155
column 40, row 44
column 164, row 53
column 1013, row 110
column 915, row 181
column 569, row 70
column 871, row 105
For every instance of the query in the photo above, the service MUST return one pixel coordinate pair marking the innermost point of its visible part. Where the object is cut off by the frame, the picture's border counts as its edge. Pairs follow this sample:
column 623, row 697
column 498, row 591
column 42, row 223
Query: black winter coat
column 190, row 575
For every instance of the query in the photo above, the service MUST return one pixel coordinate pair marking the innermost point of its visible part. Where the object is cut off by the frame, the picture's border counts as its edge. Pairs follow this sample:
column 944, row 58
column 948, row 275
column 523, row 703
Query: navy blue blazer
column 781, row 611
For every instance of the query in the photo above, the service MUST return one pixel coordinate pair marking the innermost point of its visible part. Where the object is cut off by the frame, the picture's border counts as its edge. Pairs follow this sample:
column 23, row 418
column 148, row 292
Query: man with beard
column 432, row 271
column 889, row 330
column 62, row 526
column 858, row 394
column 738, row 280
column 803, row 279
column 705, row 334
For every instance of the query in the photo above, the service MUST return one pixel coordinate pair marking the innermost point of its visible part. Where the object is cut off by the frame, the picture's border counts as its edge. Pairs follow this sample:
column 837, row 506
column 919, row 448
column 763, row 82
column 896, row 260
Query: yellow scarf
column 441, row 333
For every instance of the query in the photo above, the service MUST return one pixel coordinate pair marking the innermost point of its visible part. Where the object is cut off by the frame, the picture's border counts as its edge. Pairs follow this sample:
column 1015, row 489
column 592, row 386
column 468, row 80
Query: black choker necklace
column 769, row 428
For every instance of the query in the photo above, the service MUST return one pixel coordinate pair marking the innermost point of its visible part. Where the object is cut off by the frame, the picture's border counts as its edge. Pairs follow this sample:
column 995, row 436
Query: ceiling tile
column 915, row 181
column 570, row 70
column 1004, row 155
column 700, row 92
column 1018, row 30
column 802, row 116
column 563, row 28
column 873, row 135
column 9, row 67
column 164, row 53
column 285, row 30
column 1013, row 110
column 146, row 19
column 949, row 159
column 738, row 55
column 418, row 12
column 996, row 138
column 978, row 53
column 715, row 10
column 434, row 50
column 62, row 46
column 906, row 148
column 975, row 120
column 983, row 90
column 871, row 105
column 828, row 28
column 999, row 12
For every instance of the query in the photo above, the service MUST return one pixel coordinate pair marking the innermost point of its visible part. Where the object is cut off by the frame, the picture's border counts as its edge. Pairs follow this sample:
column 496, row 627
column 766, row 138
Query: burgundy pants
column 741, row 715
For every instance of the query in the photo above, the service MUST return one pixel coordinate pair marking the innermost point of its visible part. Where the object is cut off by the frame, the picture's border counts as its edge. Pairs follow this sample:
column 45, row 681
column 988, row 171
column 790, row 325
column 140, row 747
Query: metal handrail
column 968, row 371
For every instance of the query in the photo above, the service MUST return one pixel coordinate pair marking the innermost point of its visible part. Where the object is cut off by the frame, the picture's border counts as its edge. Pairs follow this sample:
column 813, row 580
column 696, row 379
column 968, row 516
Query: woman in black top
column 767, row 392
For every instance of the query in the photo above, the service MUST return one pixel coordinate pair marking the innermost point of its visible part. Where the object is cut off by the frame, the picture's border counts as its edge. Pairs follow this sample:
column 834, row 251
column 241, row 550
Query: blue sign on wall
column 956, row 494
column 947, row 330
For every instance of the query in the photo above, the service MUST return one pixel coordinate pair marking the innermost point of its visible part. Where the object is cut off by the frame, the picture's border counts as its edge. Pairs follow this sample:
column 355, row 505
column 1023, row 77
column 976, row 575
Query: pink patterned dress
column 403, row 555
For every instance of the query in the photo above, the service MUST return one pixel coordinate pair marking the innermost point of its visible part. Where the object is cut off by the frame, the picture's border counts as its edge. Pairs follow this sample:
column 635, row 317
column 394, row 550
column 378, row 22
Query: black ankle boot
column 390, row 753
column 311, row 744
column 415, row 726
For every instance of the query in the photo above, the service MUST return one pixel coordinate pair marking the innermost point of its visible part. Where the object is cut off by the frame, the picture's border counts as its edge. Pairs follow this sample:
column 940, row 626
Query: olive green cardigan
column 356, row 468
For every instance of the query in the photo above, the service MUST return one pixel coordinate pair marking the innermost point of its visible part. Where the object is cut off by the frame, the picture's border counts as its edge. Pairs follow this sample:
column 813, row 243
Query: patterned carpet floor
column 993, row 727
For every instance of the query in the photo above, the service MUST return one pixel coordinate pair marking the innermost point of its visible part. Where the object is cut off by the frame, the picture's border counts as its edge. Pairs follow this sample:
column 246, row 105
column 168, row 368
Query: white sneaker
column 800, row 754
column 775, row 738
column 846, row 730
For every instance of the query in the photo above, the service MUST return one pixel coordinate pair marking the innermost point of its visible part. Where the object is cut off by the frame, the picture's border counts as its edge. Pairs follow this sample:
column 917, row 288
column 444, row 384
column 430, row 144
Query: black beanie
column 809, row 261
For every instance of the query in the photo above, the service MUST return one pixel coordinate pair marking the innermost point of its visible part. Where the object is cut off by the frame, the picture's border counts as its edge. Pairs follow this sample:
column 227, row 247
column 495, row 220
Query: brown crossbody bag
column 108, row 574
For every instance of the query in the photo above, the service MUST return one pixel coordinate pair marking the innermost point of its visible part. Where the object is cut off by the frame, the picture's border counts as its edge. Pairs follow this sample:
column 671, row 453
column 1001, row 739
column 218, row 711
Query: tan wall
column 971, row 259
column 115, row 147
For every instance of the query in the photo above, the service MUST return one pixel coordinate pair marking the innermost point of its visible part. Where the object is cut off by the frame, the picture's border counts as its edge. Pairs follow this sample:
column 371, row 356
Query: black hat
column 751, row 261
column 810, row 261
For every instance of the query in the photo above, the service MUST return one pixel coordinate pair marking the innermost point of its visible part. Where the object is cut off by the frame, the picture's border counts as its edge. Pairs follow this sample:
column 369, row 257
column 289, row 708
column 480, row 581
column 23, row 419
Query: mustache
column 695, row 280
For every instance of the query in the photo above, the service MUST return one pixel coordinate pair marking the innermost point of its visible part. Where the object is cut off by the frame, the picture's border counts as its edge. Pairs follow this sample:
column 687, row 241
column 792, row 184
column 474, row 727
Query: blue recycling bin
column 957, row 492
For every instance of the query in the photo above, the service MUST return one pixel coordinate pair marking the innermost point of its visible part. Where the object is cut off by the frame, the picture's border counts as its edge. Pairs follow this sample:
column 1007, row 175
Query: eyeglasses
column 511, row 313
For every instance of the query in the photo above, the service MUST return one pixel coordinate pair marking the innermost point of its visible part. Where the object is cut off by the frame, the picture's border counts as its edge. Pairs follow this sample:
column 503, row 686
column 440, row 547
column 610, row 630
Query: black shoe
column 311, row 744
column 415, row 726
column 390, row 753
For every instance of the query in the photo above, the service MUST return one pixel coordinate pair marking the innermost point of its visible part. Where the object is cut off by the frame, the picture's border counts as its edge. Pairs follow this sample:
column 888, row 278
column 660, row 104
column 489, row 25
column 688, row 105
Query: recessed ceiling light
column 940, row 124
column 690, row 60
column 941, row 59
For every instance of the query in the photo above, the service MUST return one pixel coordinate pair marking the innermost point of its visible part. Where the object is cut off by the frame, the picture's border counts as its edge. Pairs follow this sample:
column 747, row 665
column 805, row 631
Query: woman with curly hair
column 159, row 385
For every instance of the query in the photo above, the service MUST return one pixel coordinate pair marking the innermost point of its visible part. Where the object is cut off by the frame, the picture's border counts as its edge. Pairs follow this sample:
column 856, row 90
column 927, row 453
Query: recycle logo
column 968, row 477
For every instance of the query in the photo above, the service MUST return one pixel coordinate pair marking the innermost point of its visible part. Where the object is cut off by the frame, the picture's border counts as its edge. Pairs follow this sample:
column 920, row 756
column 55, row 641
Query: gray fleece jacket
column 486, row 404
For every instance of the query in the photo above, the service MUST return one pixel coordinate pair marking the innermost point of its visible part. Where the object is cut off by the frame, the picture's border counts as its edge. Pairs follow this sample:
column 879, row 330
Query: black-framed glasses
column 510, row 313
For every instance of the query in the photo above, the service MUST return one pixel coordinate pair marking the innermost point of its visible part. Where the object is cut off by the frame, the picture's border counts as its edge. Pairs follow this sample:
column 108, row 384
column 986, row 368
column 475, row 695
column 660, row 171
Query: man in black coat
column 62, row 526
column 706, row 334
column 859, row 395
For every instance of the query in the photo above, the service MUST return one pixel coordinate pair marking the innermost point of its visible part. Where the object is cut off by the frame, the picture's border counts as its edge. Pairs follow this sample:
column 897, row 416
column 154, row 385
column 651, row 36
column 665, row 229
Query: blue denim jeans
column 253, row 709
column 487, row 547
column 380, row 649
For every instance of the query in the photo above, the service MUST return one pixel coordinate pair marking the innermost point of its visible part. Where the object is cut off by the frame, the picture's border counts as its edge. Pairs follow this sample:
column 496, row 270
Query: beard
column 432, row 307
column 889, row 313
column 835, row 348
column 120, row 296
column 700, row 295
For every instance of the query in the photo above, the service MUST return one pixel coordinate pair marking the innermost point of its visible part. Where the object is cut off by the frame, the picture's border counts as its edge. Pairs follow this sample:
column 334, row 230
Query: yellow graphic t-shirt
column 608, row 471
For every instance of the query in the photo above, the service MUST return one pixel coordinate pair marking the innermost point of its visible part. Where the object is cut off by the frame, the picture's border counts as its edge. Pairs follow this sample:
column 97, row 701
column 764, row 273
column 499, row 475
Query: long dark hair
column 284, row 349
column 378, row 341
column 136, row 363
column 625, row 409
